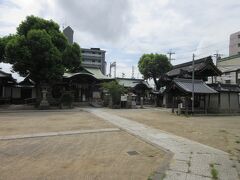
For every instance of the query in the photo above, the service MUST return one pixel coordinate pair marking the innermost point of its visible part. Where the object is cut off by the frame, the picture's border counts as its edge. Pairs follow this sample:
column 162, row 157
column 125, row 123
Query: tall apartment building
column 91, row 58
column 94, row 58
column 234, row 45
column 68, row 32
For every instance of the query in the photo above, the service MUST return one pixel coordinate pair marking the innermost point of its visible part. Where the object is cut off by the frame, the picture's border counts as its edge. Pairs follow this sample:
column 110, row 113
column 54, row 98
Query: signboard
column 123, row 98
column 96, row 95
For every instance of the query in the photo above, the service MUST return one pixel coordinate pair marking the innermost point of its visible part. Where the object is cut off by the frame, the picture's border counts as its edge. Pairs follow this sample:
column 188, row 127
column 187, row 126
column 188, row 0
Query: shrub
column 66, row 99
column 115, row 90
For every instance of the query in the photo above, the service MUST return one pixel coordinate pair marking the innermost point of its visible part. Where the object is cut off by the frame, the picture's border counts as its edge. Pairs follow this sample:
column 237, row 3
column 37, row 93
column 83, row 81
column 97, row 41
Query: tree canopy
column 3, row 42
column 70, row 54
column 40, row 49
column 154, row 66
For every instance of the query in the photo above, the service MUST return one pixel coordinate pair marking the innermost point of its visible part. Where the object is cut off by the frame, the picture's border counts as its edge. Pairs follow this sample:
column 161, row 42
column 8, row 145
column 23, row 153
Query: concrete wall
column 33, row 93
column 229, row 102
column 234, row 105
column 7, row 92
column 16, row 93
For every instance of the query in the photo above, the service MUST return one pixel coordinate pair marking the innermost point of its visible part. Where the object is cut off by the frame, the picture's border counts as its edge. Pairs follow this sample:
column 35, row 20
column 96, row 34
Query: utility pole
column 218, row 56
column 193, row 74
column 170, row 53
column 132, row 72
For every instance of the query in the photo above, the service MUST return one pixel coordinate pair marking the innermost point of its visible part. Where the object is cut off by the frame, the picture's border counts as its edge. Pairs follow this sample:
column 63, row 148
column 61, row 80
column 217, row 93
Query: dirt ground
column 40, row 122
column 222, row 132
column 79, row 156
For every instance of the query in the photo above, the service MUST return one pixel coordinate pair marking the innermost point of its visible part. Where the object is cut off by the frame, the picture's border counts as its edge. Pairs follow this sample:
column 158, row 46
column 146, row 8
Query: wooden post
column 173, row 105
column 208, row 100
column 205, row 107
column 219, row 101
column 186, row 106
column 229, row 102
column 193, row 74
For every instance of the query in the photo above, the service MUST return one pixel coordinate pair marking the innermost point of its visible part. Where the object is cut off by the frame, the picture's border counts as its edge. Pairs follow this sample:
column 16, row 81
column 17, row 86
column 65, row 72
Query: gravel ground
column 222, row 132
column 79, row 156
column 40, row 122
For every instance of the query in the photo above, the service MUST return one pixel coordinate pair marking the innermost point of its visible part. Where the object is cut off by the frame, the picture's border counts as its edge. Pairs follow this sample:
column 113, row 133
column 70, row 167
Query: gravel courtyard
column 221, row 132
column 96, row 155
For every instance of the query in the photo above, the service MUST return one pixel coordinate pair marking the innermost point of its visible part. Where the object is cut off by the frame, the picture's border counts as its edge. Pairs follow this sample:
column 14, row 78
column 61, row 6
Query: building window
column 93, row 60
column 238, row 44
column 228, row 81
column 239, row 36
column 238, row 77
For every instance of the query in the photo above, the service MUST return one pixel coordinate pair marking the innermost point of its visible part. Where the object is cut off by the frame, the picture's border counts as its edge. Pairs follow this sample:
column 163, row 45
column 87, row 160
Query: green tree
column 115, row 90
column 41, row 50
column 154, row 66
column 71, row 56
column 3, row 42
column 35, row 54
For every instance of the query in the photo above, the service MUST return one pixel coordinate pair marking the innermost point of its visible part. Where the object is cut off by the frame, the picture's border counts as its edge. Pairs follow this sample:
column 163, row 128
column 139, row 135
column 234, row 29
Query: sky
column 126, row 29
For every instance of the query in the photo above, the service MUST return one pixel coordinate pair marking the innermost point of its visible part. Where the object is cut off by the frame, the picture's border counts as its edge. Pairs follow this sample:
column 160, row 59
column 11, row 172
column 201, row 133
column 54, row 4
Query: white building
column 234, row 44
column 230, row 66
column 94, row 58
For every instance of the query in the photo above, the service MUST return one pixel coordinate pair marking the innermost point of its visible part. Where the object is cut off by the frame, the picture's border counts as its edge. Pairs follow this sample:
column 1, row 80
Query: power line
column 205, row 47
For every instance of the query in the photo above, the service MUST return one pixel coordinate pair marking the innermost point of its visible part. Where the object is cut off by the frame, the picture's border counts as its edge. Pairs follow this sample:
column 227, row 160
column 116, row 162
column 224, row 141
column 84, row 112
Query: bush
column 115, row 90
column 66, row 99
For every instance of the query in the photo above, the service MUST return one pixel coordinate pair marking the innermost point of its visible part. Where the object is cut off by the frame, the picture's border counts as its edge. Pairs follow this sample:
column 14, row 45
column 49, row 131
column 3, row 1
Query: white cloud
column 128, row 28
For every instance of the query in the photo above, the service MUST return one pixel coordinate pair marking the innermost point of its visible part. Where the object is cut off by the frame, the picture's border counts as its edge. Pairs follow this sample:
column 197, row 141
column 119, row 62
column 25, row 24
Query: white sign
column 96, row 95
column 123, row 98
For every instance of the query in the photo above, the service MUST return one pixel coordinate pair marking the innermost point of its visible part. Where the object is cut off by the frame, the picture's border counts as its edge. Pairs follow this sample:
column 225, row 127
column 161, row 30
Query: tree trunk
column 38, row 94
column 156, row 84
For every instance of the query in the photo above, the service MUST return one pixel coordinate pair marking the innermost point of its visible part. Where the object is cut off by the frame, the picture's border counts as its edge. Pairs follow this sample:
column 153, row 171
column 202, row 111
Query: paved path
column 60, row 133
column 191, row 160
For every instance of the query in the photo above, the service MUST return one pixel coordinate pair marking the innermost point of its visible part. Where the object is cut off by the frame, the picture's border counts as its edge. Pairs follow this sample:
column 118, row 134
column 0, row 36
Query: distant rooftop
column 93, row 49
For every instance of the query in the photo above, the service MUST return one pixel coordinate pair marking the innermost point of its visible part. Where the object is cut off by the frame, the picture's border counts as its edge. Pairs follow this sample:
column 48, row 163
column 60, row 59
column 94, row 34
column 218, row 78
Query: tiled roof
column 200, row 87
column 131, row 83
column 94, row 72
column 4, row 74
column 200, row 65
column 225, row 87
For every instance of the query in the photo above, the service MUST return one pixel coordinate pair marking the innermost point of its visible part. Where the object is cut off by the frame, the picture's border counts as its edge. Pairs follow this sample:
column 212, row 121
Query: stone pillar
column 141, row 102
column 44, row 103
